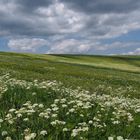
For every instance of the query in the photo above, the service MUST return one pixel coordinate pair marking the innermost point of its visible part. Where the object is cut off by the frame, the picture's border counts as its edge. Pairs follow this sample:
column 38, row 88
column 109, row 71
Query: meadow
column 69, row 97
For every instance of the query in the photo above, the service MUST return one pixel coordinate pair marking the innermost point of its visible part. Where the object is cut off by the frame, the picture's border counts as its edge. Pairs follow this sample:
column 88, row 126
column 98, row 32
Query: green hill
column 69, row 97
column 74, row 70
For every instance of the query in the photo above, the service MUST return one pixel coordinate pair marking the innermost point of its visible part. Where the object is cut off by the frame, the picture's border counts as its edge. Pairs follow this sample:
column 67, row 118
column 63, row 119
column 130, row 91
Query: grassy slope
column 88, row 72
column 75, row 70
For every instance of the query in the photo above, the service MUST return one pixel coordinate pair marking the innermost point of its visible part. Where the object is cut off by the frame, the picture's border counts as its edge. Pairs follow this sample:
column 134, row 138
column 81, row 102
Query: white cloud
column 69, row 46
column 135, row 52
column 115, row 46
column 8, row 7
column 60, row 19
column 106, row 26
column 74, row 46
column 26, row 44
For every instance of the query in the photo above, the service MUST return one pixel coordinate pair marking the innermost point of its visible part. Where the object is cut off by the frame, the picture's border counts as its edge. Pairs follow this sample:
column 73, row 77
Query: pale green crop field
column 69, row 97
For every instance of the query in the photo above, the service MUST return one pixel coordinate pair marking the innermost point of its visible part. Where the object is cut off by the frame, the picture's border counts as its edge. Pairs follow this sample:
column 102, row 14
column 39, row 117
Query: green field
column 69, row 97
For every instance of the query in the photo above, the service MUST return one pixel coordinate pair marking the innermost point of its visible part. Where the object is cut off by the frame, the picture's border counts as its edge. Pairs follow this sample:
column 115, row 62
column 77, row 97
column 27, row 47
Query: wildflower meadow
column 50, row 98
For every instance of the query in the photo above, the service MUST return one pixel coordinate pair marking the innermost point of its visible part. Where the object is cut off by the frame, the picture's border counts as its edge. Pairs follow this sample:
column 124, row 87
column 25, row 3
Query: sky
column 104, row 27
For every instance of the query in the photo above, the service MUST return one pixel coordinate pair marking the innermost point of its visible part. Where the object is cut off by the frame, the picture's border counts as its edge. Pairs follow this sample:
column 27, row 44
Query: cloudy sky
column 70, row 26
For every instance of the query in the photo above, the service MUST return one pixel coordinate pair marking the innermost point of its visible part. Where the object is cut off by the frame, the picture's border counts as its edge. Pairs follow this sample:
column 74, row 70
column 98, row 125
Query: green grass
column 75, row 70
column 113, row 76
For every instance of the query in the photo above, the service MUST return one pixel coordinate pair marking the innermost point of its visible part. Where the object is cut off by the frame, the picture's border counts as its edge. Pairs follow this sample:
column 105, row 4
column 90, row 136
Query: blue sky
column 70, row 26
